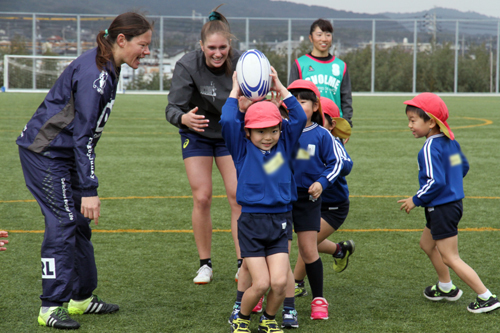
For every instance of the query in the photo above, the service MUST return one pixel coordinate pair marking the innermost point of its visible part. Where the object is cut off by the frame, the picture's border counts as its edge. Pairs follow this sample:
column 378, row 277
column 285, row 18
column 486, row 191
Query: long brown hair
column 217, row 23
column 130, row 24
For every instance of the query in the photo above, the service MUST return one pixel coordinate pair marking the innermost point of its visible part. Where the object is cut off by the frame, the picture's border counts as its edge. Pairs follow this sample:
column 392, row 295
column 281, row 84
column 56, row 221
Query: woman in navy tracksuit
column 56, row 149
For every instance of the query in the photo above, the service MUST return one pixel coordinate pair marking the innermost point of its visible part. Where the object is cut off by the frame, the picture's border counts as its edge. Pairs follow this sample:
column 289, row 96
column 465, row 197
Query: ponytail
column 217, row 23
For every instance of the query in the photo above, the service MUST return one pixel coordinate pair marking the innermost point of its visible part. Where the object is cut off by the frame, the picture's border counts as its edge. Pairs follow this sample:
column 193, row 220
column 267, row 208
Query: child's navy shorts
column 289, row 225
column 262, row 235
column 306, row 213
column 443, row 220
column 335, row 213
column 194, row 144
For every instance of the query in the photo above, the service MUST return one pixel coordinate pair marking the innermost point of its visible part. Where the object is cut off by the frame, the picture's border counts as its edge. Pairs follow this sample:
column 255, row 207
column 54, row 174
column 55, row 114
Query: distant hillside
column 238, row 8
column 484, row 23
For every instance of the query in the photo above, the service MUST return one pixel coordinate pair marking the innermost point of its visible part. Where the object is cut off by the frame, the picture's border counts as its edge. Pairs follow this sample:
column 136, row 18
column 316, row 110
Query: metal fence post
column 373, row 57
column 247, row 33
column 455, row 79
column 78, row 36
column 498, row 56
column 415, row 50
column 33, row 46
column 289, row 61
column 160, row 61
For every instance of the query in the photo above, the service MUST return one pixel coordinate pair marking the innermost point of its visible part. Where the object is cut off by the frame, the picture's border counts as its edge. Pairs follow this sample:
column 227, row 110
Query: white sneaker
column 236, row 276
column 204, row 275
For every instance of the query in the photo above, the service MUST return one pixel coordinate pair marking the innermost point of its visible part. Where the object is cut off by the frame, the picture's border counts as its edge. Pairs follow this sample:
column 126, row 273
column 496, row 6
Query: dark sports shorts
column 335, row 213
column 443, row 220
column 194, row 144
column 262, row 235
column 289, row 225
column 306, row 213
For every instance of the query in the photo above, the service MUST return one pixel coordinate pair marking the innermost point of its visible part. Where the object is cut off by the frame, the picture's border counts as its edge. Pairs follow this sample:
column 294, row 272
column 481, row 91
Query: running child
column 262, row 145
column 442, row 166
column 317, row 165
column 334, row 201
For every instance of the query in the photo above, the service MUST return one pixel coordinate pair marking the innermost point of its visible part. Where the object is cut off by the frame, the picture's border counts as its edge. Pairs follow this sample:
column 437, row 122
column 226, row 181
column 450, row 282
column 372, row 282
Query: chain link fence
column 382, row 55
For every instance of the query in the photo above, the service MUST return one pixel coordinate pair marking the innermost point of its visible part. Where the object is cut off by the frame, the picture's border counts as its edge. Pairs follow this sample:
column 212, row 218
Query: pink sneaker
column 258, row 307
column 319, row 308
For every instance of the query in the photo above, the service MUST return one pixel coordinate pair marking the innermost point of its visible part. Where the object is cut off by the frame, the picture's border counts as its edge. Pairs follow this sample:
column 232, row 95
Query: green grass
column 150, row 274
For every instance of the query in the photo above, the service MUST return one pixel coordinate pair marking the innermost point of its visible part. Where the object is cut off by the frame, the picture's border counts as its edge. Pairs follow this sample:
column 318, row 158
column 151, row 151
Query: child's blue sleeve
column 465, row 164
column 431, row 175
column 232, row 122
column 332, row 158
column 292, row 128
column 346, row 159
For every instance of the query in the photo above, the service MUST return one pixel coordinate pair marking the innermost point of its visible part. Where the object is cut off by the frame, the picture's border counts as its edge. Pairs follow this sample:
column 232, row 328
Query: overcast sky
column 485, row 7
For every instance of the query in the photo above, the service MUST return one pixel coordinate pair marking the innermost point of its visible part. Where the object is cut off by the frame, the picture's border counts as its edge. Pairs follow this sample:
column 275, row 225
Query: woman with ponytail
column 201, row 83
column 56, row 149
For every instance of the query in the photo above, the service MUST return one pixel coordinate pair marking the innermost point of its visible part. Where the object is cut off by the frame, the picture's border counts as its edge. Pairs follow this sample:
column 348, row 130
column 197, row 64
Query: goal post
column 32, row 73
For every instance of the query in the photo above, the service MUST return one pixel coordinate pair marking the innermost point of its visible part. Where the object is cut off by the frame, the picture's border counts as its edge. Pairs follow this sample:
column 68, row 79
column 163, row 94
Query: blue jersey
column 318, row 158
column 442, row 166
column 338, row 192
column 265, row 179
column 70, row 120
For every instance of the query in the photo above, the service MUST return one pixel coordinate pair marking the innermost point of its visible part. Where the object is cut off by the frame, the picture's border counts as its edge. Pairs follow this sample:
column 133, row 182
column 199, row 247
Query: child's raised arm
column 277, row 85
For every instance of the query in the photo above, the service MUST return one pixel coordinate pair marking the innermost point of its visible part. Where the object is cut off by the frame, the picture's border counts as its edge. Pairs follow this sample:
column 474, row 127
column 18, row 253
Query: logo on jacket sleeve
column 100, row 82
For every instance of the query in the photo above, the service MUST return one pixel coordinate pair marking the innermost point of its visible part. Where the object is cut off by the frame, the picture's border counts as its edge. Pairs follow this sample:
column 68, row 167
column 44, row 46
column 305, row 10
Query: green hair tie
column 214, row 16
column 106, row 34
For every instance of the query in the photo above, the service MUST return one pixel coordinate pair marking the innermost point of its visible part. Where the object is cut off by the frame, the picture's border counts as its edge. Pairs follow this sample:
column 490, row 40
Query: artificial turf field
column 147, row 258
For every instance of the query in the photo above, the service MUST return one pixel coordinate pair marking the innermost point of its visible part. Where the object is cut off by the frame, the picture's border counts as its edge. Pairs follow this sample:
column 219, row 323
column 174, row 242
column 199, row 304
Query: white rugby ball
column 252, row 71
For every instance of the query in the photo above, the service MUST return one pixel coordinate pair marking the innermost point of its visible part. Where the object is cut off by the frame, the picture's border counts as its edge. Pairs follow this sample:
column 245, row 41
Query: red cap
column 435, row 108
column 262, row 114
column 329, row 107
column 304, row 84
column 342, row 128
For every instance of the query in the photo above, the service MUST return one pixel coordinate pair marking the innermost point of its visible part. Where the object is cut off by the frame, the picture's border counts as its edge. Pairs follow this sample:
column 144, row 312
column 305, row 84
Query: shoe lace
column 270, row 323
column 62, row 313
column 242, row 323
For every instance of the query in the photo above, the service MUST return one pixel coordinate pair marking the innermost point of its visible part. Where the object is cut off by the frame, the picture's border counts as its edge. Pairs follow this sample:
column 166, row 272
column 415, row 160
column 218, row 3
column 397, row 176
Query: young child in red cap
column 334, row 201
column 262, row 146
column 442, row 166
column 318, row 165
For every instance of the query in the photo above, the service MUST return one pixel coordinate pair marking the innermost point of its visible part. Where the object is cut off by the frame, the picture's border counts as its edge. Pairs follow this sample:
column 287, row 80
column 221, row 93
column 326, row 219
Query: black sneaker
column 93, row 305
column 340, row 264
column 435, row 294
column 480, row 306
column 57, row 317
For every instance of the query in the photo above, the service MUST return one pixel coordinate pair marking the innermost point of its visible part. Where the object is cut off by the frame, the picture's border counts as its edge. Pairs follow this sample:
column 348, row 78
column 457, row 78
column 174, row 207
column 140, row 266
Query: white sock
column 486, row 295
column 446, row 287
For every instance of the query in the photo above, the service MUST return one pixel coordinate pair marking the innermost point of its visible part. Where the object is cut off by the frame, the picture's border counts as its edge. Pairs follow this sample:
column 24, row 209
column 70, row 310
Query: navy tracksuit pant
column 68, row 264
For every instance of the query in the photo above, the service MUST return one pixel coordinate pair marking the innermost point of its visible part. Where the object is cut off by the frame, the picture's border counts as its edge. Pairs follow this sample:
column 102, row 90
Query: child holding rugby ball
column 262, row 146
